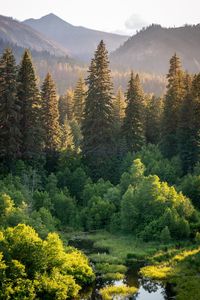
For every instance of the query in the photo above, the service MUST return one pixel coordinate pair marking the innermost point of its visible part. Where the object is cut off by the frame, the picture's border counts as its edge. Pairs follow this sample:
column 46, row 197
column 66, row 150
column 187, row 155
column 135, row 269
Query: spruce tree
column 66, row 136
column 196, row 119
column 10, row 134
column 50, row 115
column 172, row 103
column 119, row 106
column 119, row 113
column 97, row 125
column 186, row 128
column 65, row 106
column 30, row 105
column 154, row 109
column 133, row 125
column 79, row 100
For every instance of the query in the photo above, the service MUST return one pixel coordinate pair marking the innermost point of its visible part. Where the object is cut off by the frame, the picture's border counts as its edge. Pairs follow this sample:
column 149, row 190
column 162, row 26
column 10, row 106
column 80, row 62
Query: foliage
column 32, row 268
column 181, row 270
column 154, row 203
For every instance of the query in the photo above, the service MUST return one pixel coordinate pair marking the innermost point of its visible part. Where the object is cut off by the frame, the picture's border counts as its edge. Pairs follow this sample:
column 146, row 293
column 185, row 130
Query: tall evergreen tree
column 154, row 109
column 186, row 128
column 119, row 106
column 30, row 105
column 97, row 125
column 172, row 103
column 50, row 115
column 133, row 125
column 65, row 106
column 66, row 138
column 79, row 100
column 119, row 113
column 196, row 119
column 10, row 135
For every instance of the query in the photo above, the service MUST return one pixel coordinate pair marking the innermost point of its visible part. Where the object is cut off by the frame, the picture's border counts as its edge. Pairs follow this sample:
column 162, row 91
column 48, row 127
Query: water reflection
column 147, row 290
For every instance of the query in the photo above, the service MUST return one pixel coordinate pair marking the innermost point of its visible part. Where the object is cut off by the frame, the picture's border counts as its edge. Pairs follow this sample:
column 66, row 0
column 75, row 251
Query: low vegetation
column 110, row 292
column 31, row 267
column 180, row 269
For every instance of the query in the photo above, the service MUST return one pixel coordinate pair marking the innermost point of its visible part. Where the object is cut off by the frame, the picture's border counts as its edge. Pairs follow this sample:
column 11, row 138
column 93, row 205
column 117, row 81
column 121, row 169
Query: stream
column 147, row 289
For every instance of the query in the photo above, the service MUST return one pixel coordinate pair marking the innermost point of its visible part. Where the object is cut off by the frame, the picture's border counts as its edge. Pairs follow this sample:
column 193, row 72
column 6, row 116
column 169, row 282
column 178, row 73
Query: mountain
column 81, row 42
column 49, row 56
column 22, row 35
column 151, row 48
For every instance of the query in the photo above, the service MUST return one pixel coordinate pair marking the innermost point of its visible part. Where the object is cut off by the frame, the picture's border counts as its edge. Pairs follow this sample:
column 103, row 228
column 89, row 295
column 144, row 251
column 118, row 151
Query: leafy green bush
column 34, row 268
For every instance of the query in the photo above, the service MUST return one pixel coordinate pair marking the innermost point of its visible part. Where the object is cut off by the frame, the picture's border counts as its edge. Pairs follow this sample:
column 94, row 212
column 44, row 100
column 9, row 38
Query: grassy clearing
column 104, row 258
column 126, row 246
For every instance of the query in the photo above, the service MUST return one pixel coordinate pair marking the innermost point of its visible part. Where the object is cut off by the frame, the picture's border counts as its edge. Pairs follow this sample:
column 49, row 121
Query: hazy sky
column 122, row 16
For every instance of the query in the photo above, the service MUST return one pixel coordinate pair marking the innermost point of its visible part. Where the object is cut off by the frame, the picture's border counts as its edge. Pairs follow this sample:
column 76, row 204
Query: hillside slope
column 24, row 36
column 80, row 41
column 151, row 48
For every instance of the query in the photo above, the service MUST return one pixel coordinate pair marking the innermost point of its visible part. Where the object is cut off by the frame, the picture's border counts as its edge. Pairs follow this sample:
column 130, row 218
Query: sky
column 120, row 16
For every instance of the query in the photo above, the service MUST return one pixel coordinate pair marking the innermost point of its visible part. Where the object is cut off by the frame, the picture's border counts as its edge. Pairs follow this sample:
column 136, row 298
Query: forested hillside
column 93, row 160
column 66, row 71
column 150, row 48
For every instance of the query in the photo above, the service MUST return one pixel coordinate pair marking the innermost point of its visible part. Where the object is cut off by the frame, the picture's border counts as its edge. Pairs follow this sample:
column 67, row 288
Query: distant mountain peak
column 80, row 41
column 49, row 19
column 52, row 15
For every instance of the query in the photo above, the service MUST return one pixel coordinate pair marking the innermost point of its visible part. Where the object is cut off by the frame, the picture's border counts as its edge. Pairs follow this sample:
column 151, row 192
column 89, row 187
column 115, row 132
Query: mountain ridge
column 151, row 48
column 24, row 36
column 81, row 42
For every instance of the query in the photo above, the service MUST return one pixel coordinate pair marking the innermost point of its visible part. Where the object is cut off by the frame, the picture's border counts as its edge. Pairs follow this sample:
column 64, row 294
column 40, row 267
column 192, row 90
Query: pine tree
column 30, row 105
column 186, row 128
column 119, row 113
column 79, row 100
column 97, row 125
column 133, row 126
column 196, row 119
column 66, row 136
column 65, row 106
column 50, row 116
column 154, row 110
column 10, row 135
column 119, row 106
column 172, row 103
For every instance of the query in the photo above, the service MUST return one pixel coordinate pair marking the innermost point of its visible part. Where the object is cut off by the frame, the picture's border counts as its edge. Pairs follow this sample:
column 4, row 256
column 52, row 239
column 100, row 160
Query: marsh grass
column 182, row 269
column 110, row 268
column 104, row 258
column 110, row 292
